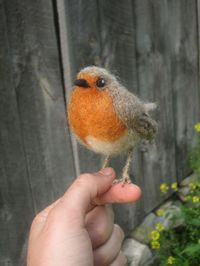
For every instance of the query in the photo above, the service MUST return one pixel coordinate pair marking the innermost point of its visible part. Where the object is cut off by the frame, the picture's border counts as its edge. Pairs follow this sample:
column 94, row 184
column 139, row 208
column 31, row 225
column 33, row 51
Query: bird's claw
column 124, row 180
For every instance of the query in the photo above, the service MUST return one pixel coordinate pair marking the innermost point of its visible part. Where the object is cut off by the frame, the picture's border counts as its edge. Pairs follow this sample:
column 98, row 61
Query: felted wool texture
column 91, row 113
column 108, row 120
column 121, row 145
column 129, row 107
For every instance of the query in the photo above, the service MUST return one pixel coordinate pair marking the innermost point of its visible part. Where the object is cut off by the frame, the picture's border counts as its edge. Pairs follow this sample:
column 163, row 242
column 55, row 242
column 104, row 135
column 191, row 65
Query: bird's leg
column 125, row 172
column 105, row 162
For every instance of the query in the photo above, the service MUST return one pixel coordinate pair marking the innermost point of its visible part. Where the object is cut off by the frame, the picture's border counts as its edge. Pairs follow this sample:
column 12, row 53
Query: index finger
column 120, row 193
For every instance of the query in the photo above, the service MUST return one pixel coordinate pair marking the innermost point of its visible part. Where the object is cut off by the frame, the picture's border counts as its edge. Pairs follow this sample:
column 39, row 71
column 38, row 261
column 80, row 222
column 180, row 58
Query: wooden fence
column 152, row 45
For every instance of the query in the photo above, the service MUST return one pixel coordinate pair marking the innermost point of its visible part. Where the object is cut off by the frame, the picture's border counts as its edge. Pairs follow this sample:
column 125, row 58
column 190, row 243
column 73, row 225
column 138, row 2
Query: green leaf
column 192, row 249
column 195, row 222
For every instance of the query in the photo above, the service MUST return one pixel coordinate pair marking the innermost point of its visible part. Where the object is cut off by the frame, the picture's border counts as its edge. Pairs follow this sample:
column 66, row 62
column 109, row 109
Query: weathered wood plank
column 154, row 75
column 185, row 78
column 80, row 41
column 198, row 41
column 16, row 205
column 34, row 125
column 84, row 32
column 65, row 51
column 40, row 98
column 117, row 31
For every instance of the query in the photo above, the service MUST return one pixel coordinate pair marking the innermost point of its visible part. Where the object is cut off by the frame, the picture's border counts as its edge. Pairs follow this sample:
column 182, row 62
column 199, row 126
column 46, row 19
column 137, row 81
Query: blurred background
column 152, row 45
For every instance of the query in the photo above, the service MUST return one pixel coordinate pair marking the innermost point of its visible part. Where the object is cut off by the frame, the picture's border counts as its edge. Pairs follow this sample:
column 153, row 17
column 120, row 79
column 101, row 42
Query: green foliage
column 180, row 246
column 182, row 243
column 194, row 156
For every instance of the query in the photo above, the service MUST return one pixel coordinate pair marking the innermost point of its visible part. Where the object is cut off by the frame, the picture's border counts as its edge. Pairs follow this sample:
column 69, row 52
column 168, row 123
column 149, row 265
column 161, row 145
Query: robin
column 107, row 118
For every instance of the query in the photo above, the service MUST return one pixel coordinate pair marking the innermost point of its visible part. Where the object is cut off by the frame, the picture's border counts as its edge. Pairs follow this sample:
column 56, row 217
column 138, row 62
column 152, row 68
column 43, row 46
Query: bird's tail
column 150, row 106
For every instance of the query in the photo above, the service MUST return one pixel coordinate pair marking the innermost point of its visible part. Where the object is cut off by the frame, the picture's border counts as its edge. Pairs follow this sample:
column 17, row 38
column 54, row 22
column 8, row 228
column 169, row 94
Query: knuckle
column 39, row 218
column 83, row 178
column 86, row 179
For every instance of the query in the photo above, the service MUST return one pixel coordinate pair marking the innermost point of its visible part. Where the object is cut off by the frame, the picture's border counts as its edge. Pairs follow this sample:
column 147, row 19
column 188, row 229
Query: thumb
column 82, row 193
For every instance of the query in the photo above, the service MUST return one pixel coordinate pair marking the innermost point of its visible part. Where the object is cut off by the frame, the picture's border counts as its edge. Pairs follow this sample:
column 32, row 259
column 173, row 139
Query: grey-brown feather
column 131, row 110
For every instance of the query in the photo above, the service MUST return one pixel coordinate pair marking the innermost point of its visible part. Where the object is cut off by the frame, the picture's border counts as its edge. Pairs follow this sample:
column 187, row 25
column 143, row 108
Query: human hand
column 78, row 229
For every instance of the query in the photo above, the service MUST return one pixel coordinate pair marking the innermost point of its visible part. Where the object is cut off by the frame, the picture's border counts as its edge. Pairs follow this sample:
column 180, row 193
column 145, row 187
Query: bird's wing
column 135, row 113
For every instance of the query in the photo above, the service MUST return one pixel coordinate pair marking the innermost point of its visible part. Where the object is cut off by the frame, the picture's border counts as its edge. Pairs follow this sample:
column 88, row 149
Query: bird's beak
column 81, row 83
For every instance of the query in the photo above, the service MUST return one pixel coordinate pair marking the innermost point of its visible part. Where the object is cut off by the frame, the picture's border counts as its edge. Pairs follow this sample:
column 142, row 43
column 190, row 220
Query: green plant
column 180, row 246
column 194, row 156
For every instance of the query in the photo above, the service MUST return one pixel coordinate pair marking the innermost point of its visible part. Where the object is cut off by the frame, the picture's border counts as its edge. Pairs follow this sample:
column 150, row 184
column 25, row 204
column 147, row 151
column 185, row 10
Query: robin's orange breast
column 91, row 113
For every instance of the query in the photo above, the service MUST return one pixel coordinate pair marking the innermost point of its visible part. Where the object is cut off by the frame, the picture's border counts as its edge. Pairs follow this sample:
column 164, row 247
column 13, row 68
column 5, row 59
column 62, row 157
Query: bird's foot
column 124, row 180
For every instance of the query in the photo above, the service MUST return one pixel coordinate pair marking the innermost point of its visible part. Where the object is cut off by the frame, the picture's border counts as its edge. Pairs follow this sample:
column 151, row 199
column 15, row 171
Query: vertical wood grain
column 36, row 157
column 154, row 76
column 117, row 25
column 16, row 203
column 39, row 95
column 185, row 78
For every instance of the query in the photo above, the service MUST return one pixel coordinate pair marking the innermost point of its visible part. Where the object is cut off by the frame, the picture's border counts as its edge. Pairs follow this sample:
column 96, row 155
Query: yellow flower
column 155, row 235
column 160, row 227
column 197, row 127
column 164, row 188
column 195, row 199
column 155, row 245
column 160, row 212
column 174, row 186
column 170, row 260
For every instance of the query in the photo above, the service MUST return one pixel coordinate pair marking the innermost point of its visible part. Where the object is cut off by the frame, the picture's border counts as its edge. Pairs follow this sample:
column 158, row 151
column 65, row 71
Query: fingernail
column 107, row 171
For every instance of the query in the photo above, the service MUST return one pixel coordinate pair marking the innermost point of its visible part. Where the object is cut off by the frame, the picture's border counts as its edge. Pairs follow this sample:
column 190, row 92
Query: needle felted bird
column 106, row 117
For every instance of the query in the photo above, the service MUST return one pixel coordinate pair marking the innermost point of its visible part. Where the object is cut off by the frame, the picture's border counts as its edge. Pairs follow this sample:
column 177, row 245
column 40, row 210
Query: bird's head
column 94, row 79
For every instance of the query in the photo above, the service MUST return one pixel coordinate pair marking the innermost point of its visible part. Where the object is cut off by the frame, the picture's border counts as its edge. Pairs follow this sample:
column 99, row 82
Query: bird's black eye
column 100, row 82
